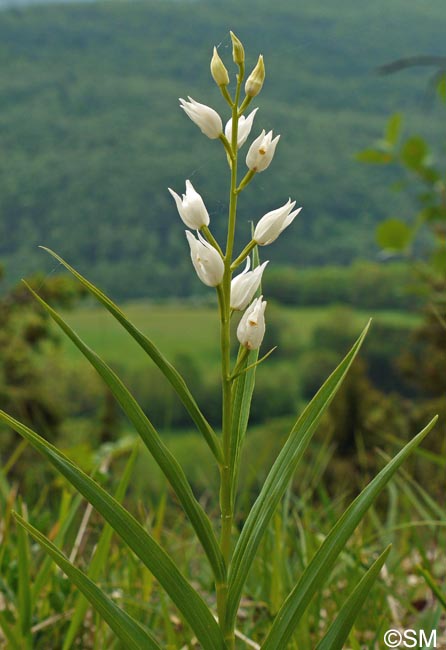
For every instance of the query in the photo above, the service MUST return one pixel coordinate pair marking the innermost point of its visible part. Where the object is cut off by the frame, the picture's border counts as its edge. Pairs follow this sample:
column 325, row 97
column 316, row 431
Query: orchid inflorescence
column 211, row 264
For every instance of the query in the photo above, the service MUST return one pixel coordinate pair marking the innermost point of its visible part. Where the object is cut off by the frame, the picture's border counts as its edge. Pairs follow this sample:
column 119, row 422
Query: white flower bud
column 218, row 70
column 251, row 329
column 206, row 260
column 191, row 208
column 207, row 120
column 244, row 128
column 255, row 80
column 273, row 223
column 244, row 286
column 238, row 52
column 261, row 151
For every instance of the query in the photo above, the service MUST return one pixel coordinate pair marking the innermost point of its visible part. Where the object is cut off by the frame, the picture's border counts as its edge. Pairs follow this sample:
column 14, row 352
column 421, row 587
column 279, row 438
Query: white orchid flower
column 244, row 128
column 207, row 120
column 206, row 259
column 261, row 151
column 251, row 329
column 244, row 286
column 191, row 208
column 273, row 223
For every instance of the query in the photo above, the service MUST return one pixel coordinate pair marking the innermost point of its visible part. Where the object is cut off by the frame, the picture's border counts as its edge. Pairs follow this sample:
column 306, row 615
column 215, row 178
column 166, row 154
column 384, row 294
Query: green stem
column 224, row 299
column 246, row 102
column 247, row 179
column 211, row 239
column 226, row 95
column 243, row 255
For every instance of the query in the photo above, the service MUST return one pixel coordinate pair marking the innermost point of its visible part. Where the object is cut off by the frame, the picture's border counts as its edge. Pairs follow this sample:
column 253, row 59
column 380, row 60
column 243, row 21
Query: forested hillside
column 92, row 136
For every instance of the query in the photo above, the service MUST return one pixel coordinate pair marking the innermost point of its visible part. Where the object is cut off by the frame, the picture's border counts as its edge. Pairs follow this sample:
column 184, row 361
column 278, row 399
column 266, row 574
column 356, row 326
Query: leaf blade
column 123, row 625
column 315, row 573
column 339, row 630
column 168, row 370
column 99, row 557
column 279, row 477
column 162, row 455
column 188, row 601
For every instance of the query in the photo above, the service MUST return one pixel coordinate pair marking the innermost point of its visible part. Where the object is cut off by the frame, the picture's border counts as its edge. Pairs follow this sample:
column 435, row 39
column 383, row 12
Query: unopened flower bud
column 191, row 208
column 273, row 223
column 238, row 52
column 244, row 286
column 261, row 151
column 206, row 259
column 207, row 120
column 244, row 128
column 251, row 329
column 218, row 70
column 255, row 80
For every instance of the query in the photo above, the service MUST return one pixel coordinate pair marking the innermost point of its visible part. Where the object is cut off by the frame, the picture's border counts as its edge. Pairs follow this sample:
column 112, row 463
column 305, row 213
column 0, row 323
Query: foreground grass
column 406, row 517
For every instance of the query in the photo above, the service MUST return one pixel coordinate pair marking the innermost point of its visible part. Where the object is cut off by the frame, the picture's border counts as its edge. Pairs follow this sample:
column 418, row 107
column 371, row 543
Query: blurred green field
column 178, row 328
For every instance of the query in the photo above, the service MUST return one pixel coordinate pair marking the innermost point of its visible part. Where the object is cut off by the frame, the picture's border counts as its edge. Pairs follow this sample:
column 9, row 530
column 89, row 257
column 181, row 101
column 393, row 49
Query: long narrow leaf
column 242, row 391
column 24, row 584
column 67, row 519
column 279, row 478
column 190, row 604
column 340, row 629
column 165, row 459
column 318, row 570
column 10, row 634
column 100, row 556
column 171, row 374
column 124, row 626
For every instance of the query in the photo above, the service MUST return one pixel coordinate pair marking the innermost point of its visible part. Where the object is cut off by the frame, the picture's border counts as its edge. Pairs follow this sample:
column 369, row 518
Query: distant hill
column 92, row 136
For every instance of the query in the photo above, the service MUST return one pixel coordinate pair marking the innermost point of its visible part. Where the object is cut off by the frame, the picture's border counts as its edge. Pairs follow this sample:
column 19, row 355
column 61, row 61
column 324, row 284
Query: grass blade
column 279, row 478
column 190, row 604
column 10, row 634
column 66, row 519
column 340, row 629
column 166, row 461
column 171, row 374
column 321, row 564
column 24, row 602
column 124, row 626
column 100, row 556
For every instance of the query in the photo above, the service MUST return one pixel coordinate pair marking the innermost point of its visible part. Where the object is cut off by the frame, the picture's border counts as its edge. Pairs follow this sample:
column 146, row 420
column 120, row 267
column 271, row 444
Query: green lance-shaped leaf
column 278, row 480
column 166, row 461
column 100, row 556
column 243, row 389
column 318, row 570
column 171, row 374
column 340, row 629
column 189, row 603
column 242, row 392
column 124, row 626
